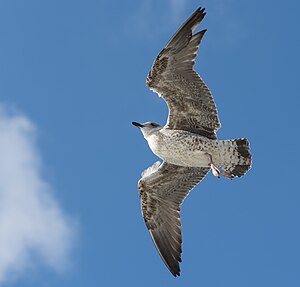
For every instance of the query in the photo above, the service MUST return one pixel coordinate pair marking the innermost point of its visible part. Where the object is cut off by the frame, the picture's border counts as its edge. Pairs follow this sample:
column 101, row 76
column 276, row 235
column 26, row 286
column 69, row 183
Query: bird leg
column 217, row 172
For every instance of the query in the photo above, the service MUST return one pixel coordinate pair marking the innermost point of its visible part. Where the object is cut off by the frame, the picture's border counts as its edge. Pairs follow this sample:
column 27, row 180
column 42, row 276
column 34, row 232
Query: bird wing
column 190, row 102
column 162, row 190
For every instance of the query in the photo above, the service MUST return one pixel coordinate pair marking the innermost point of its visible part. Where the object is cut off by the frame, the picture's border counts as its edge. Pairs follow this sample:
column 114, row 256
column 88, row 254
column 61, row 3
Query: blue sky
column 72, row 78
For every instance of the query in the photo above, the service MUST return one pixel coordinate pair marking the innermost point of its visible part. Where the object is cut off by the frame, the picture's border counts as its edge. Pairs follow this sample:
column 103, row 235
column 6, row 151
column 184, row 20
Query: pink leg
column 217, row 172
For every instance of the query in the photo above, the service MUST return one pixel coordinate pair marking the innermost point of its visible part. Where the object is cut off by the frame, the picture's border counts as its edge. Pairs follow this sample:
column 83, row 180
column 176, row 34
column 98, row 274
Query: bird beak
column 137, row 124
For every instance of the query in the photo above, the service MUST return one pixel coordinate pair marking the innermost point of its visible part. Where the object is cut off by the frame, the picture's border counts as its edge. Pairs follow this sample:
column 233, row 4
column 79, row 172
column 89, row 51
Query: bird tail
column 236, row 156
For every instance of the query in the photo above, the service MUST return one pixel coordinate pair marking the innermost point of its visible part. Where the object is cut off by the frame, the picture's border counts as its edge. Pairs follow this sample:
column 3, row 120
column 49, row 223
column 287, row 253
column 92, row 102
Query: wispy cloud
column 32, row 224
column 177, row 7
column 152, row 17
column 228, row 24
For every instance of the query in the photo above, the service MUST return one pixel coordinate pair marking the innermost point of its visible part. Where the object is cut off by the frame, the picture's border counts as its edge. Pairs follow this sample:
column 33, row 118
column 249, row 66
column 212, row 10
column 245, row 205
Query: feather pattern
column 190, row 102
column 151, row 169
column 161, row 193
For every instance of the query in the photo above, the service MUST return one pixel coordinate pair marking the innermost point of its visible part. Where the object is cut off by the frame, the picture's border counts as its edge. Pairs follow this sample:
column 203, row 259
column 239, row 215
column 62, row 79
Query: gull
column 187, row 144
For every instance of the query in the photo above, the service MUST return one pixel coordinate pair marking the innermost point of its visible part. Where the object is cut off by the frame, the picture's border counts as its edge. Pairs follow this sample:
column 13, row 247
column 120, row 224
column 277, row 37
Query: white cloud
column 32, row 224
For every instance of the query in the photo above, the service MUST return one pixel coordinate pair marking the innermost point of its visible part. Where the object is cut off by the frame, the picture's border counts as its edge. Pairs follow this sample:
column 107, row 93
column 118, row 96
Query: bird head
column 147, row 128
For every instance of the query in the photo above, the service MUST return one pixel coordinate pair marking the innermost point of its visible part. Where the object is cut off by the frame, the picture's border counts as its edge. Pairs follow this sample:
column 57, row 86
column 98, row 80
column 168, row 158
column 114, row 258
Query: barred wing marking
column 161, row 192
column 190, row 102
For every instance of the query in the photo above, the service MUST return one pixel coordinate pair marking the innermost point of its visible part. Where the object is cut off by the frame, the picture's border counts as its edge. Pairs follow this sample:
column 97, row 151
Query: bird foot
column 217, row 172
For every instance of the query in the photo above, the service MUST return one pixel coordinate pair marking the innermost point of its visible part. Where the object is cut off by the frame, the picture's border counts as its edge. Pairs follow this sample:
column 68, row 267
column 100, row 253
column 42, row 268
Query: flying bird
column 187, row 144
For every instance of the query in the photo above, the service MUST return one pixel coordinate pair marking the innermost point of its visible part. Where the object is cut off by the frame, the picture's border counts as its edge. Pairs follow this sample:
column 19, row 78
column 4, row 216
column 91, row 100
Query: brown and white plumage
column 162, row 191
column 187, row 143
column 190, row 102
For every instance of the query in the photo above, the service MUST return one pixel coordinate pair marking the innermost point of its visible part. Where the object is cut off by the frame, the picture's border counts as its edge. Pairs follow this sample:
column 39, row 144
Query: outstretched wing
column 190, row 102
column 162, row 190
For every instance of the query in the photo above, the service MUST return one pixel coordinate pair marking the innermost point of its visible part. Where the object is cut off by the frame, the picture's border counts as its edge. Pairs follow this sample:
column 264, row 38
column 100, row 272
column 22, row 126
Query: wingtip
column 175, row 271
column 201, row 10
column 198, row 16
column 182, row 36
column 176, row 274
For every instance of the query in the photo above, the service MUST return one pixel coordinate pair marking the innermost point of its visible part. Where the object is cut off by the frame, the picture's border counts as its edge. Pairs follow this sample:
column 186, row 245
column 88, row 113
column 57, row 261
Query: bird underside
column 196, row 159
column 187, row 153
column 226, row 158
column 216, row 171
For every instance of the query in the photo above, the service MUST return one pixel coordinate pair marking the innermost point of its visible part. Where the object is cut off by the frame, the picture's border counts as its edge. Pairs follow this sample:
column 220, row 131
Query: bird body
column 183, row 148
column 187, row 144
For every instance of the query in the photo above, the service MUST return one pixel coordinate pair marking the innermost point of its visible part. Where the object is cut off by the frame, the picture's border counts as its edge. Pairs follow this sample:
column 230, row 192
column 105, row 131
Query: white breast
column 177, row 150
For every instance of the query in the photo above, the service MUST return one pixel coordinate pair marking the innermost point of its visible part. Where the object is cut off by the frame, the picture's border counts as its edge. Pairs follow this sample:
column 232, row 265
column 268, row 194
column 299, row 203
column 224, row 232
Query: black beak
column 137, row 124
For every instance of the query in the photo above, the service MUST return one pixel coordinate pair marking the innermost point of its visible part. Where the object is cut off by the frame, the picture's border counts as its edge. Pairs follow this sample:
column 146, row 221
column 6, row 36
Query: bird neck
column 149, row 132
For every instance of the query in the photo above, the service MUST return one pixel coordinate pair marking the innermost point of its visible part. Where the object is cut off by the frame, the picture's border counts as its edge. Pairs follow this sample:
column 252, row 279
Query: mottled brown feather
column 161, row 193
column 190, row 102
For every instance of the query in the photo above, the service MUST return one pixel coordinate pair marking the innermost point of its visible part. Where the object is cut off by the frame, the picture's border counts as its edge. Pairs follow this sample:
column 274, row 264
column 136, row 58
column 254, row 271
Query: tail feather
column 237, row 158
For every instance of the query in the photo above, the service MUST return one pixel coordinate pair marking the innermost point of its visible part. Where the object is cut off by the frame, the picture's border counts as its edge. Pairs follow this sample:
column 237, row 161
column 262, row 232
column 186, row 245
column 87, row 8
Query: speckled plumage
column 184, row 148
column 188, row 142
